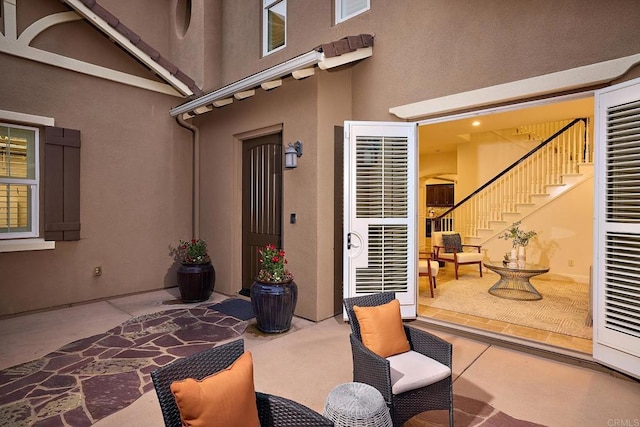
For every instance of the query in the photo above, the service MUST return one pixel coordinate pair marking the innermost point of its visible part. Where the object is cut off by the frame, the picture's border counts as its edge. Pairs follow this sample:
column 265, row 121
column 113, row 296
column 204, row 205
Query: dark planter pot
column 273, row 304
column 196, row 281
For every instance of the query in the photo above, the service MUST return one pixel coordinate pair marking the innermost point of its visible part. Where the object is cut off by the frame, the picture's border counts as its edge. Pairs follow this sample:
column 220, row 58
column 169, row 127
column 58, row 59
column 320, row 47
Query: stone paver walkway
column 94, row 377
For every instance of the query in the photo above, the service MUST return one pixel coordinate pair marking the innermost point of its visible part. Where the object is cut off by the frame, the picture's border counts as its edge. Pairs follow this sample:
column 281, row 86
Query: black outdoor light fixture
column 291, row 154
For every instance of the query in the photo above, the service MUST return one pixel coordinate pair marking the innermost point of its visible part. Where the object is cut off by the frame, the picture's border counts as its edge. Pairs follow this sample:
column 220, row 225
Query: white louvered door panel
column 617, row 228
column 381, row 211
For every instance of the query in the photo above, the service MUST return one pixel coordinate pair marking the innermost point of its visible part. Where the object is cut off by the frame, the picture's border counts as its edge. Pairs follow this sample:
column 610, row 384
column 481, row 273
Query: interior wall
column 569, row 236
column 494, row 154
column 468, row 169
column 483, row 157
column 565, row 233
column 438, row 164
column 431, row 166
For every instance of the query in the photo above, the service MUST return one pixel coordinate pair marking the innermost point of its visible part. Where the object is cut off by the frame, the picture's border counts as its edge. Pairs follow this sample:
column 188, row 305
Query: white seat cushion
column 423, row 268
column 469, row 257
column 411, row 370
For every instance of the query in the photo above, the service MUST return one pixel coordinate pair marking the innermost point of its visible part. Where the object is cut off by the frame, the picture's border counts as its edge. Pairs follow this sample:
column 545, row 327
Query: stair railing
column 560, row 154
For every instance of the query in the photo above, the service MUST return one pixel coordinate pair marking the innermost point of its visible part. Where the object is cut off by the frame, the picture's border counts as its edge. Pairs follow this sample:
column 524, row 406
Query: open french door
column 616, row 279
column 380, row 212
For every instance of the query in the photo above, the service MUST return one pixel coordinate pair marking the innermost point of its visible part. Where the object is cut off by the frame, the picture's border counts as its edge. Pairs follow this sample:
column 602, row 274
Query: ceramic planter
column 196, row 281
column 274, row 304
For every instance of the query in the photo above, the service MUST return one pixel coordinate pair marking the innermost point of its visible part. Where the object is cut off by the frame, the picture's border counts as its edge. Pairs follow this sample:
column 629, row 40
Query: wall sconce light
column 291, row 154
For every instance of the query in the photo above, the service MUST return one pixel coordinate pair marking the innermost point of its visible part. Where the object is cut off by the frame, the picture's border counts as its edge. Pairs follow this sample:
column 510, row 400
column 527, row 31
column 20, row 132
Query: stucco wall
column 294, row 105
column 334, row 107
column 307, row 190
column 135, row 189
column 426, row 49
column 136, row 161
column 429, row 49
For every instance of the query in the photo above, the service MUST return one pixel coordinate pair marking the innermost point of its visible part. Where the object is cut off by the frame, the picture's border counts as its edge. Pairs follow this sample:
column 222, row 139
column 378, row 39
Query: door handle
column 349, row 243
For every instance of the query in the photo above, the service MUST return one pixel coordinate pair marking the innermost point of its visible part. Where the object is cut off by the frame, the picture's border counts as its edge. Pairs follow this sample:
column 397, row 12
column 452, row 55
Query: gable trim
column 30, row 119
column 575, row 78
column 12, row 44
column 127, row 44
column 42, row 24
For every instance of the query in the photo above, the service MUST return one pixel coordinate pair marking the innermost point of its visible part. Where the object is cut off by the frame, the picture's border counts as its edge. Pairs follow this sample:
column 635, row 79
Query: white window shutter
column 617, row 228
column 380, row 211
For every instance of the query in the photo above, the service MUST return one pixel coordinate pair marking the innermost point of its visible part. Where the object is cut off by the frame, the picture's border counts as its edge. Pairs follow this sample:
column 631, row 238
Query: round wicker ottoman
column 357, row 404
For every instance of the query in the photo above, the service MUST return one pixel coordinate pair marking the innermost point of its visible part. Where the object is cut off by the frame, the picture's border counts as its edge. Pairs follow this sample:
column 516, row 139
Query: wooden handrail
column 516, row 163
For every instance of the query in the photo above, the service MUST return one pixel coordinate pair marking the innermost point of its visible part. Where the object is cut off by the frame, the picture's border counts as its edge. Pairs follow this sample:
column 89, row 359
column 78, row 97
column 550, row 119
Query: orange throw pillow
column 381, row 328
column 226, row 398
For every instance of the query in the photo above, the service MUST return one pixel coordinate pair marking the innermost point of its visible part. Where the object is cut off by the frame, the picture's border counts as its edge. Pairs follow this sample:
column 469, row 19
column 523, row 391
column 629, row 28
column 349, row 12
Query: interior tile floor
column 480, row 323
column 305, row 364
column 552, row 339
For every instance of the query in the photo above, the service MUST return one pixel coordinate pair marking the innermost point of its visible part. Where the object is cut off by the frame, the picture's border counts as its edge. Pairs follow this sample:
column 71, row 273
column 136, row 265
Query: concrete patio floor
column 305, row 364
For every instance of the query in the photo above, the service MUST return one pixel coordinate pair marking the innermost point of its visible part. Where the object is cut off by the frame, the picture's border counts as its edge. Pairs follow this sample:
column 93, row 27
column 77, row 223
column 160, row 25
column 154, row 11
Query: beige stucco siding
column 135, row 189
column 294, row 106
column 136, row 160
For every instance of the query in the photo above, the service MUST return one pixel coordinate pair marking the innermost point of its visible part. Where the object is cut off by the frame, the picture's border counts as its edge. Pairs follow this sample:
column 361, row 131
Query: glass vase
column 522, row 256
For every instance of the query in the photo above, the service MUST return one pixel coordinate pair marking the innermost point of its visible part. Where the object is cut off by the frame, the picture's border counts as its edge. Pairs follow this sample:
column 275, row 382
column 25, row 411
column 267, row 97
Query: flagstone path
column 93, row 377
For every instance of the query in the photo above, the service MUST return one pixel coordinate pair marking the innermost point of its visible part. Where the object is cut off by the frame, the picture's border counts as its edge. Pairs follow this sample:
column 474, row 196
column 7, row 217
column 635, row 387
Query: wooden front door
column 261, row 201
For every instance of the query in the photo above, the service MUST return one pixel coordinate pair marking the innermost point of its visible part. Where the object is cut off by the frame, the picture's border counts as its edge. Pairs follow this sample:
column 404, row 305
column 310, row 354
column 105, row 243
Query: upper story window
column 346, row 9
column 19, row 180
column 274, row 25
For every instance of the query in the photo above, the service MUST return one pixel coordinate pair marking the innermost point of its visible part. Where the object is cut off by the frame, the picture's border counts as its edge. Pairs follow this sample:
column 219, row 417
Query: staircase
column 561, row 162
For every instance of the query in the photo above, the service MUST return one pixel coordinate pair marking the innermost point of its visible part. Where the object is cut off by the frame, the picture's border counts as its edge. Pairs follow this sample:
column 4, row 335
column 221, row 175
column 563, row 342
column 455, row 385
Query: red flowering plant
column 272, row 263
column 192, row 251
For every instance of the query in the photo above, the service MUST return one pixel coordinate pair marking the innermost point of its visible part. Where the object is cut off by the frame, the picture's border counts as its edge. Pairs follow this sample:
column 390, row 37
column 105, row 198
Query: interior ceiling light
column 475, row 123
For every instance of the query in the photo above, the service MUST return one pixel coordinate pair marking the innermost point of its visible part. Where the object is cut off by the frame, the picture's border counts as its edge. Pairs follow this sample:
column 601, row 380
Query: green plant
column 272, row 265
column 517, row 236
column 192, row 251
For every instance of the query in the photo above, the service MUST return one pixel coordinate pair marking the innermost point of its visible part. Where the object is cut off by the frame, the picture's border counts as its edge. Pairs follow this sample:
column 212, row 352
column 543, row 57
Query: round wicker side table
column 356, row 405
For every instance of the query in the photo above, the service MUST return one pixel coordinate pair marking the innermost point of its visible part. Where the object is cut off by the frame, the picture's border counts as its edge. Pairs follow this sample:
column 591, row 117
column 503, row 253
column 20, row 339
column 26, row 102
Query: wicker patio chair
column 272, row 410
column 372, row 369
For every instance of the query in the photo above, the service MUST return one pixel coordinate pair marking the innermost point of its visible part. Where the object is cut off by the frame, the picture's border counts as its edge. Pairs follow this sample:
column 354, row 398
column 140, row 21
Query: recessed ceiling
column 445, row 136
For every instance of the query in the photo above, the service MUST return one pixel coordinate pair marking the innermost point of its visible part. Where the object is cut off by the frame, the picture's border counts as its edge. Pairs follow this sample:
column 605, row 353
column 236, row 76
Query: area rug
column 563, row 309
column 236, row 307
column 91, row 378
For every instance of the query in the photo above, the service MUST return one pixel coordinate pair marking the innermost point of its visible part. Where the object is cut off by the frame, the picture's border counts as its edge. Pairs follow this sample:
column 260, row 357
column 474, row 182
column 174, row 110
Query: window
column 274, row 25
column 346, row 9
column 19, row 181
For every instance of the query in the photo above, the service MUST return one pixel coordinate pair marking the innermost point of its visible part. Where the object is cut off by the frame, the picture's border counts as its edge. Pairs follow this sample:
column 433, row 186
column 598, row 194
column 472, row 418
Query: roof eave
column 301, row 62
